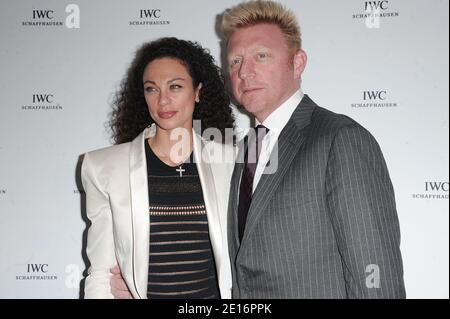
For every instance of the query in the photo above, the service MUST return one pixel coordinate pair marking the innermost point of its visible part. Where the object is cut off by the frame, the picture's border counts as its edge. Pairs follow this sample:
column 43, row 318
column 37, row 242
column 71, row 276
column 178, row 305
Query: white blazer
column 115, row 182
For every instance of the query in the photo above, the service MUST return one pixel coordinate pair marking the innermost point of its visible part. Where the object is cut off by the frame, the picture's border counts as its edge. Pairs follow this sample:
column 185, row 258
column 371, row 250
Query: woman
column 158, row 204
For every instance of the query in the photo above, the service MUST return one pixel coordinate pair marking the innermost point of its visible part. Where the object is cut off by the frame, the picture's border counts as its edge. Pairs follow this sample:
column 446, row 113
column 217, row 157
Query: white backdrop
column 61, row 62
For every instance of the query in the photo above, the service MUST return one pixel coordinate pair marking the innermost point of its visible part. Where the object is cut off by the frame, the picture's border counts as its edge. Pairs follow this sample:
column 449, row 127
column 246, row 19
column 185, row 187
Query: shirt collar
column 278, row 119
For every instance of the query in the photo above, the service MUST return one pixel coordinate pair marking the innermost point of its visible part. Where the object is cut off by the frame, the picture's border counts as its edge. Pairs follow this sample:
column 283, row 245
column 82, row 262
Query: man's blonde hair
column 255, row 12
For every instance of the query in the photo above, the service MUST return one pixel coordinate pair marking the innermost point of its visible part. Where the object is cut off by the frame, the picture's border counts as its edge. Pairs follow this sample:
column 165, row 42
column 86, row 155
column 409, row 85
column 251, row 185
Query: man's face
column 264, row 72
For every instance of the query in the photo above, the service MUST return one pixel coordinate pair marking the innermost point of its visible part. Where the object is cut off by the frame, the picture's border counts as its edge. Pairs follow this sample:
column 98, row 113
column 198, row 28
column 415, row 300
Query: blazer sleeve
column 100, row 242
column 361, row 204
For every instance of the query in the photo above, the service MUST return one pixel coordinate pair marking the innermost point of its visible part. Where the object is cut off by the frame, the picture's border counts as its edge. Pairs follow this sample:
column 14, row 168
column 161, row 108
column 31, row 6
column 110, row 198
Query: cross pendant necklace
column 181, row 170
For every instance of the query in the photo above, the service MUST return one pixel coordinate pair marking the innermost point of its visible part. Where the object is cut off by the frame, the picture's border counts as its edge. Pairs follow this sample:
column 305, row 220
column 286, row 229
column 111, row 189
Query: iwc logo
column 149, row 17
column 373, row 12
column 49, row 17
column 36, row 272
column 42, row 101
column 433, row 190
column 374, row 99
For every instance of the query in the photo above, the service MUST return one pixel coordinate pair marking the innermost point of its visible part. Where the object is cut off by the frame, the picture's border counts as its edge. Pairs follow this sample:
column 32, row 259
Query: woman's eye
column 175, row 86
column 149, row 89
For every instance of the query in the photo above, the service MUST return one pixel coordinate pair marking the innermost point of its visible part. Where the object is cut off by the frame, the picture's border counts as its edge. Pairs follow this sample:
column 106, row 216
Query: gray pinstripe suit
column 325, row 224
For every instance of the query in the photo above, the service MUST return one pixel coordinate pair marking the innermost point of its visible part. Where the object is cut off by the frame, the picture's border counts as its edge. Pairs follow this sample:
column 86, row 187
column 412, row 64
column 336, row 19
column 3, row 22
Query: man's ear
column 300, row 59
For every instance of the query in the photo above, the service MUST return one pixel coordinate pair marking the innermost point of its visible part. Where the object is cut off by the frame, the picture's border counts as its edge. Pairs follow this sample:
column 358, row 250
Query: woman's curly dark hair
column 130, row 115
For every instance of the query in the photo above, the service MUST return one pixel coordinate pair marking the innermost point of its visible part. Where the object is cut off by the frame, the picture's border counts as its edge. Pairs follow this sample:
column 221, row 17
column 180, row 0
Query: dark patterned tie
column 253, row 143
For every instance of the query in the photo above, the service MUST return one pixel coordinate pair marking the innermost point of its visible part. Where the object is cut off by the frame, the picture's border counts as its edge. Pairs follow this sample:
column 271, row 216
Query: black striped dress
column 181, row 261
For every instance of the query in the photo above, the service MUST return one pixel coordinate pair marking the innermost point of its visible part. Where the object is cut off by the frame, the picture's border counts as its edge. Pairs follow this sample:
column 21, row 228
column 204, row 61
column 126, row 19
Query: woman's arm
column 100, row 241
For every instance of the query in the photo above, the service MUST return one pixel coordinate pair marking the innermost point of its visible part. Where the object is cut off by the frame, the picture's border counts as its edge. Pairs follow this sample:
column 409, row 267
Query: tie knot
column 253, row 143
column 261, row 131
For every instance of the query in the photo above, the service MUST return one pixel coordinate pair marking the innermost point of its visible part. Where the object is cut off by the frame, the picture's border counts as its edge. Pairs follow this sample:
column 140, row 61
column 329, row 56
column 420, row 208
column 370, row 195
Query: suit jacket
column 324, row 225
column 117, row 204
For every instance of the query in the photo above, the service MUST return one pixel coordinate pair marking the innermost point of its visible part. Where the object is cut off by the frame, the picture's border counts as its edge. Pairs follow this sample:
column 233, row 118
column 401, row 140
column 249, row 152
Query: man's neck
column 278, row 118
column 263, row 115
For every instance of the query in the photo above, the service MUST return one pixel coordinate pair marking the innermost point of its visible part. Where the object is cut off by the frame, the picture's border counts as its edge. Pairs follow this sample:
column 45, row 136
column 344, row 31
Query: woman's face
column 169, row 93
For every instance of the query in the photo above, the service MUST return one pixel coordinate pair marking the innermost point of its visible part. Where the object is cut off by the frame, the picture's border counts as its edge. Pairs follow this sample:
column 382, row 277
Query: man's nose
column 247, row 69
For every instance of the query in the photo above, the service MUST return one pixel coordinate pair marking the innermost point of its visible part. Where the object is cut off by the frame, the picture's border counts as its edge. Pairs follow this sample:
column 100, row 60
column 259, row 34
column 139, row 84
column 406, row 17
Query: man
column 324, row 224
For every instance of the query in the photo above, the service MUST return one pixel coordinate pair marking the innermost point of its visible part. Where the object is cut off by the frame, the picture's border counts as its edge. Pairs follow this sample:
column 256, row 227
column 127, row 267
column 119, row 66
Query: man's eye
column 235, row 62
column 262, row 56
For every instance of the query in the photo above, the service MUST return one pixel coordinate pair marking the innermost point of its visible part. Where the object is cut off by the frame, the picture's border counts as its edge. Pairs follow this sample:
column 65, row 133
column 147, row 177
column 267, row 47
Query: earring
column 197, row 100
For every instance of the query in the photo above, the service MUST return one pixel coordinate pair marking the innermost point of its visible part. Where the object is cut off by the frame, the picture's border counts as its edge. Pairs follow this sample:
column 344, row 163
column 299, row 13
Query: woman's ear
column 197, row 92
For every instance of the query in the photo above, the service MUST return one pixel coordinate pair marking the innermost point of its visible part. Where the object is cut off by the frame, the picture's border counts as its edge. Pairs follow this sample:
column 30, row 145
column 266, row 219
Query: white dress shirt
column 275, row 122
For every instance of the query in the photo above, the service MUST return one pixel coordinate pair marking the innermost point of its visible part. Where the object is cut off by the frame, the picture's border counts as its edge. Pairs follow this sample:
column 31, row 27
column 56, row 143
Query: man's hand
column 119, row 288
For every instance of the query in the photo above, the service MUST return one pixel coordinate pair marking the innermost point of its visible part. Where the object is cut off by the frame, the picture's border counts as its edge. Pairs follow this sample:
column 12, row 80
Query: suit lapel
column 140, row 211
column 210, row 197
column 290, row 141
column 233, row 234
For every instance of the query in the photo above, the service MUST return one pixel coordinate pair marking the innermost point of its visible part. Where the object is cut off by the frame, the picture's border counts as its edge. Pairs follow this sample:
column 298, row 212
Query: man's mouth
column 250, row 90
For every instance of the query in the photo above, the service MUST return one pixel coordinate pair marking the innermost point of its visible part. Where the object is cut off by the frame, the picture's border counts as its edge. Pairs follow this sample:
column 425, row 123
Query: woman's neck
column 172, row 146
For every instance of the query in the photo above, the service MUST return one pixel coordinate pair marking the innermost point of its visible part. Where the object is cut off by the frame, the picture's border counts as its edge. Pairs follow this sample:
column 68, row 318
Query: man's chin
column 252, row 106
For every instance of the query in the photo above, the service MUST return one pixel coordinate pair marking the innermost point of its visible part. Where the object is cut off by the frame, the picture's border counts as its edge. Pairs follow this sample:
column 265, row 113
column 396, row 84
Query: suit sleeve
column 361, row 204
column 100, row 242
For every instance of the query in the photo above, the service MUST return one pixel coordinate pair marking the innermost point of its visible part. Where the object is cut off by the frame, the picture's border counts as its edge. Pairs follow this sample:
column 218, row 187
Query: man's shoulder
column 325, row 116
column 328, row 124
column 325, row 120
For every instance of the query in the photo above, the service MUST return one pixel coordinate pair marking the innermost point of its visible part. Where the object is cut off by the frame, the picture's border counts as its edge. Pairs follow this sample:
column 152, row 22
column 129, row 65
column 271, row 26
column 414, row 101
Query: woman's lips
column 166, row 115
